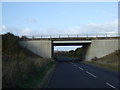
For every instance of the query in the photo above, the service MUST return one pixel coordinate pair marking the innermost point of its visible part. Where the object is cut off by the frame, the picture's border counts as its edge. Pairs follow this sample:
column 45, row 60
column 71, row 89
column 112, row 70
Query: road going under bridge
column 93, row 45
column 77, row 74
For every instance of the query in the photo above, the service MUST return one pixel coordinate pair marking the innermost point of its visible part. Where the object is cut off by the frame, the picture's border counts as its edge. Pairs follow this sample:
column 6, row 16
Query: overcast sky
column 45, row 18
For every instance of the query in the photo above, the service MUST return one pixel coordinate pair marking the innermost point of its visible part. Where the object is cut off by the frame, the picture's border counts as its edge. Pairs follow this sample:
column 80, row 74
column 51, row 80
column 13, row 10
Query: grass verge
column 113, row 67
column 110, row 61
column 20, row 67
column 38, row 80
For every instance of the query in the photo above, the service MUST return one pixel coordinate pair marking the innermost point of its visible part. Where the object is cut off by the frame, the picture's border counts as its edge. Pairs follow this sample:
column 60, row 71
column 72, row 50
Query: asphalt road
column 79, row 75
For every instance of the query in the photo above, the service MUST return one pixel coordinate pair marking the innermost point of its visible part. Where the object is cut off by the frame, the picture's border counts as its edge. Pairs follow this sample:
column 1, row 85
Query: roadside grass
column 110, row 61
column 37, row 80
column 18, row 73
column 113, row 67
column 19, row 66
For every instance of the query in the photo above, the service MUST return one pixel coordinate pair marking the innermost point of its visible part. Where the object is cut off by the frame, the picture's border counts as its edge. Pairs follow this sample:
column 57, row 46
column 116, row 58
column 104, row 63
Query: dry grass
column 18, row 64
column 16, row 71
column 110, row 61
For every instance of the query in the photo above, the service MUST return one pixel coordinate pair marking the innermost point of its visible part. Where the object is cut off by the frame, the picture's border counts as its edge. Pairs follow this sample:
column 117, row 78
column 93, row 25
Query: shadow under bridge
column 84, row 43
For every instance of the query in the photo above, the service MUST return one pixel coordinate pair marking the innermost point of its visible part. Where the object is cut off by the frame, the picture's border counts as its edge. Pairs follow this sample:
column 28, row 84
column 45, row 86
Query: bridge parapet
column 72, row 36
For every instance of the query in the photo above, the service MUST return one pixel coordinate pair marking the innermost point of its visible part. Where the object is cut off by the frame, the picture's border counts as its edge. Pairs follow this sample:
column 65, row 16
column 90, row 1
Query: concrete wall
column 86, row 52
column 40, row 47
column 100, row 48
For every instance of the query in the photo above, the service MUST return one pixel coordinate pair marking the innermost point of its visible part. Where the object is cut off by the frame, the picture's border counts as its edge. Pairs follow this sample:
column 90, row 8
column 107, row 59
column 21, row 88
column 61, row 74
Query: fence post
column 68, row 36
column 32, row 37
column 106, row 35
column 116, row 35
column 87, row 35
column 77, row 36
column 50, row 36
column 41, row 36
column 59, row 36
column 96, row 35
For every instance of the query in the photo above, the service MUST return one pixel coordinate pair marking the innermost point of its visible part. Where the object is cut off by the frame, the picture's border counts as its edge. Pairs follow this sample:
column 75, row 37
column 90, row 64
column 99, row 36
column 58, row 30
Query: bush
column 23, row 38
column 95, row 59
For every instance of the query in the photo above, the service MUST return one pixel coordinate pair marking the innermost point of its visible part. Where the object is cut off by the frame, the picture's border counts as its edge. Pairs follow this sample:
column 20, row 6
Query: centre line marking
column 80, row 68
column 75, row 65
column 111, row 86
column 90, row 74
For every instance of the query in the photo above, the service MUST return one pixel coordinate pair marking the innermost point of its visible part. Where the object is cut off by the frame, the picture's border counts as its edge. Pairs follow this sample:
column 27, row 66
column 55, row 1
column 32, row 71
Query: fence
column 75, row 36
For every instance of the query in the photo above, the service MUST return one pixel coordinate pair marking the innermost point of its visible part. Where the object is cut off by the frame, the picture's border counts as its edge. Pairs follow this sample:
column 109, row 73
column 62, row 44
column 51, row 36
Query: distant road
column 79, row 75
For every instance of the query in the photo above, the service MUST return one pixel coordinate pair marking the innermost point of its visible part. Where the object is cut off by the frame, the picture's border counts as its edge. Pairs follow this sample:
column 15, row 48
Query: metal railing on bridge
column 75, row 36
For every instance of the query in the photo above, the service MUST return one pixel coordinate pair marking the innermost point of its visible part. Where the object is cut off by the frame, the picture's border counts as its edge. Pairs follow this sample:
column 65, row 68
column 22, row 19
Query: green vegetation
column 20, row 67
column 75, row 55
column 37, row 80
column 109, row 61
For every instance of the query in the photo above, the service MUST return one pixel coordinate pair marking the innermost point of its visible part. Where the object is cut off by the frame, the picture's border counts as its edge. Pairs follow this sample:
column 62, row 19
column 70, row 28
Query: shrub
column 95, row 59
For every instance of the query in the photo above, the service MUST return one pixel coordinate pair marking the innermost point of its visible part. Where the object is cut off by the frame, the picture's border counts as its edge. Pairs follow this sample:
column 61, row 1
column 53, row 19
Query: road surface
column 79, row 75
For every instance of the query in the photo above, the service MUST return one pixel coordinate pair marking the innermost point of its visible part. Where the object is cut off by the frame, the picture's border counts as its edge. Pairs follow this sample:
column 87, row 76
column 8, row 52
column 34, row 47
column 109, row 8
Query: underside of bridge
column 85, row 46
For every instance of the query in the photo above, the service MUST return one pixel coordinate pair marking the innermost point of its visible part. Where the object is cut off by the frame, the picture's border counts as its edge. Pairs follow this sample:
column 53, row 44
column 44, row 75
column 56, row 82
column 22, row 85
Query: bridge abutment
column 96, row 48
column 100, row 48
column 42, row 48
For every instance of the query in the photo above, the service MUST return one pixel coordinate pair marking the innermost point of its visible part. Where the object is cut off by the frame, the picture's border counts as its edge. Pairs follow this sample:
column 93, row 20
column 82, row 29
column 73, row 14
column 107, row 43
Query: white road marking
column 94, row 76
column 90, row 74
column 111, row 86
column 75, row 65
column 80, row 68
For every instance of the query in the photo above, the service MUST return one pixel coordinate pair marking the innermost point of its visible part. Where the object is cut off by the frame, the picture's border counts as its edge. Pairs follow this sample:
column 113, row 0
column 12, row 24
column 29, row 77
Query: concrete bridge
column 93, row 46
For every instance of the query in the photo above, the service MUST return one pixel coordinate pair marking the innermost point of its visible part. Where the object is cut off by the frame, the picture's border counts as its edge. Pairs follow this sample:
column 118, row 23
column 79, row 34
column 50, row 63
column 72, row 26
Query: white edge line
column 90, row 74
column 80, row 68
column 111, row 86
column 75, row 65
